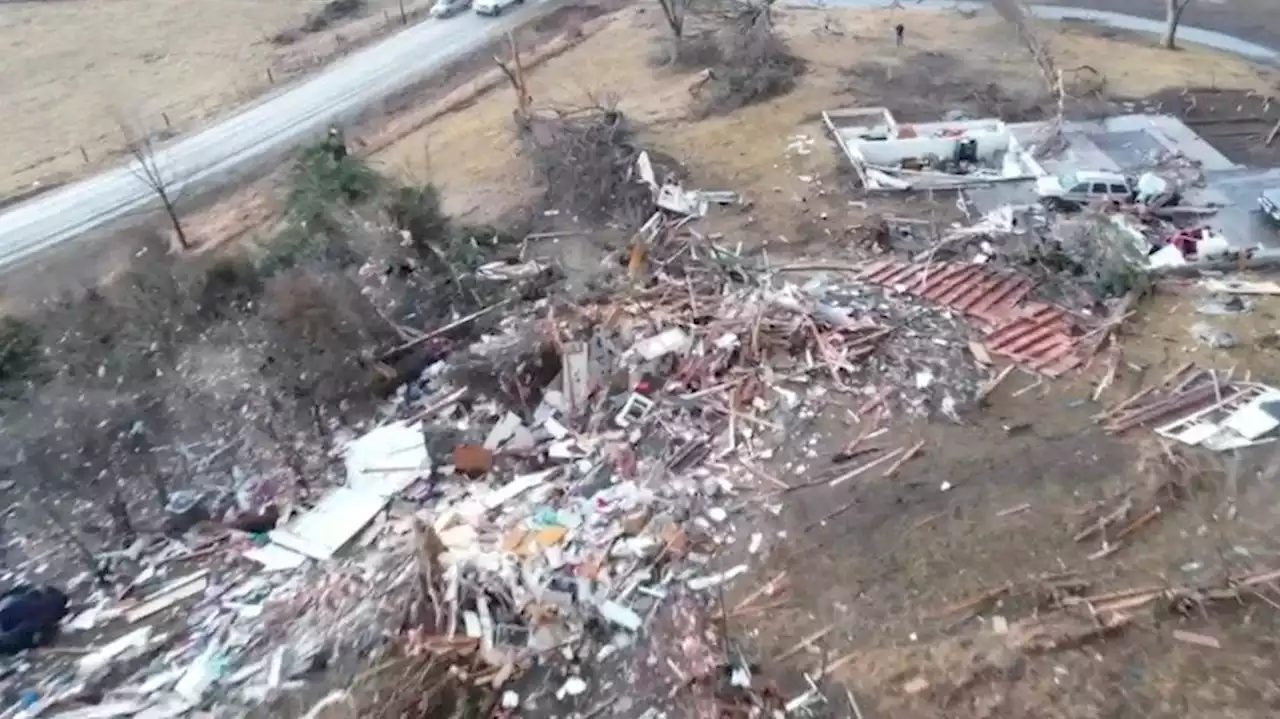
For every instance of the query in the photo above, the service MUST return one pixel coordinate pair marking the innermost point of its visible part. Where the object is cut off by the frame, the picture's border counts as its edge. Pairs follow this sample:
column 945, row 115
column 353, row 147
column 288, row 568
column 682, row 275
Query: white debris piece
column 171, row 594
column 275, row 558
column 620, row 615
column 712, row 580
column 636, row 408
column 668, row 342
column 208, row 667
column 123, row 648
column 387, row 459
column 573, row 686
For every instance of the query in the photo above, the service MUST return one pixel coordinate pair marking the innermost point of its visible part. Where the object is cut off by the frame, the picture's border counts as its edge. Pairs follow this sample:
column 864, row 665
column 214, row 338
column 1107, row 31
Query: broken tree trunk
column 515, row 75
column 1173, row 17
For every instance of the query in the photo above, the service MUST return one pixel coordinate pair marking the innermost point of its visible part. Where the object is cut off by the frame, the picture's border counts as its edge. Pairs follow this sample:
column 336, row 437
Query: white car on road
column 493, row 8
column 448, row 8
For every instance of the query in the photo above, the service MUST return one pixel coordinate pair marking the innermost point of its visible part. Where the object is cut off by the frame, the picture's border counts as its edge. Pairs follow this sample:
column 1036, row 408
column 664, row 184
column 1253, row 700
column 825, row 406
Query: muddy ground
column 1020, row 476
column 1237, row 123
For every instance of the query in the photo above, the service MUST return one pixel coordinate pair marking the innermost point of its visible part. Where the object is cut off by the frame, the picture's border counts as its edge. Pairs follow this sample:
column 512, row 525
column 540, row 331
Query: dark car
column 29, row 617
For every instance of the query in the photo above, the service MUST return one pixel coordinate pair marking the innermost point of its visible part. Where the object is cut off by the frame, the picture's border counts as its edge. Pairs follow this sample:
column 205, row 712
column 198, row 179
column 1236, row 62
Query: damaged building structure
column 1003, row 170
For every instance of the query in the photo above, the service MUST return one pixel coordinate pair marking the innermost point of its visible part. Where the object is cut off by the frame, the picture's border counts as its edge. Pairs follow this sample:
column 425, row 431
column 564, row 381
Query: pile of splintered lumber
column 1182, row 391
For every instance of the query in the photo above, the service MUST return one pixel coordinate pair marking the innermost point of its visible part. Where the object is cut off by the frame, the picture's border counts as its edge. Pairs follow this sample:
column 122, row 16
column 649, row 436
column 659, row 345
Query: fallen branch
column 400, row 349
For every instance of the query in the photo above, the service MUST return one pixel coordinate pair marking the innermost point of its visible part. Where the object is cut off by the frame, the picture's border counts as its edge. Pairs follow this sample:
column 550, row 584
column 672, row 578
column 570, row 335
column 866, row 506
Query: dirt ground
column 896, row 580
column 1235, row 122
column 776, row 153
column 75, row 70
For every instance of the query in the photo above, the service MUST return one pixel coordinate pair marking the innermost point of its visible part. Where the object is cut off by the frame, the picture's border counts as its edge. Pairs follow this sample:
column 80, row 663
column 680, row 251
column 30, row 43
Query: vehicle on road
column 494, row 8
column 449, row 8
column 1072, row 190
column 1269, row 201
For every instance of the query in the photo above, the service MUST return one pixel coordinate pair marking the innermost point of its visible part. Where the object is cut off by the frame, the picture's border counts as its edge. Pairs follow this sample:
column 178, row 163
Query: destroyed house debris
column 1035, row 335
column 562, row 495
column 892, row 156
column 1201, row 408
column 1148, row 182
column 578, row 502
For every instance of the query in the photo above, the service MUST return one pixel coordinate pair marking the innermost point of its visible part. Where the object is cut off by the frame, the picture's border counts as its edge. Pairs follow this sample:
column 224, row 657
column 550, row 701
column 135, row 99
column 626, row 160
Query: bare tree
column 755, row 63
column 24, row 474
column 515, row 75
column 675, row 11
column 691, row 42
column 1172, row 18
column 1016, row 14
column 67, row 450
column 146, row 167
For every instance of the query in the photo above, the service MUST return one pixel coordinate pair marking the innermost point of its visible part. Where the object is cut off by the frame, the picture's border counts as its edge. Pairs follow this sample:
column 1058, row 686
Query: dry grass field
column 473, row 154
column 73, row 70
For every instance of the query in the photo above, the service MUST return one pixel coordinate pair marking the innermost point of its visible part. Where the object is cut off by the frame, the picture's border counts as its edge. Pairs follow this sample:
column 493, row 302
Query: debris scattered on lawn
column 1208, row 335
column 1196, row 638
column 1038, row 336
column 574, row 469
column 1170, row 475
column 1242, row 287
column 558, row 492
column 1201, row 408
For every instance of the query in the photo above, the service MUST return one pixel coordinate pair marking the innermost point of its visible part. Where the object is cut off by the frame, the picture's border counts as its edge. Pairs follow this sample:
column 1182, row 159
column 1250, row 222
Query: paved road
column 280, row 122
column 260, row 133
column 1145, row 20
column 1253, row 20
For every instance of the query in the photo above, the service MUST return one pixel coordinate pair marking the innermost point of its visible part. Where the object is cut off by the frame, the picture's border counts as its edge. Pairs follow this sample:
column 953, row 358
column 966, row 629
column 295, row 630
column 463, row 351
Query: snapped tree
column 688, row 43
column 1172, row 19
column 674, row 11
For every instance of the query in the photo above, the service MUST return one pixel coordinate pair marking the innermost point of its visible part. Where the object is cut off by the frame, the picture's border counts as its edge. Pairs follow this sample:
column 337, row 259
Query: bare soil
column 1019, row 478
column 1235, row 122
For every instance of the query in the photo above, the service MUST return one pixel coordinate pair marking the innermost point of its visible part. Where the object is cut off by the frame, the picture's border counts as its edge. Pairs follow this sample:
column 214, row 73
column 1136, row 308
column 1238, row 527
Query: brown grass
column 72, row 68
column 472, row 155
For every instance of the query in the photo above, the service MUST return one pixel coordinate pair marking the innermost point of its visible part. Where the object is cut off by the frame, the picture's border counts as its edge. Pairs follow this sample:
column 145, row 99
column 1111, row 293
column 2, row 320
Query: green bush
column 323, row 189
column 321, row 184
